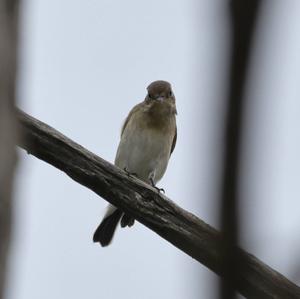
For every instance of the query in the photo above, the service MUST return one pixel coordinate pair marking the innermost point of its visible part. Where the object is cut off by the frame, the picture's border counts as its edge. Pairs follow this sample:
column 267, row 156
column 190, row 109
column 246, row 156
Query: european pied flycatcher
column 148, row 138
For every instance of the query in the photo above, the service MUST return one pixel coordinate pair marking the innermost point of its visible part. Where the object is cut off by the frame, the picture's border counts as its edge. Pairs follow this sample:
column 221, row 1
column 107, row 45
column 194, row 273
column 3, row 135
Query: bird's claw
column 129, row 174
column 158, row 189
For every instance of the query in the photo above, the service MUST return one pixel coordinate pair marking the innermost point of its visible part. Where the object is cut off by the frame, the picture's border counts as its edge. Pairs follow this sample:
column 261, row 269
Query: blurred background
column 83, row 65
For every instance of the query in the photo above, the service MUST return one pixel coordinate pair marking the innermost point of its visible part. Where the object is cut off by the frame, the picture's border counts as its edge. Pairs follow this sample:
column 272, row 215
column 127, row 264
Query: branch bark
column 181, row 228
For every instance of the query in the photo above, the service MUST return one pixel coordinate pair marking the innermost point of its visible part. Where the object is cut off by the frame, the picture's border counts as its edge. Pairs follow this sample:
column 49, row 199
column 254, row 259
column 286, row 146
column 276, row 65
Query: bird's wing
column 174, row 141
column 133, row 110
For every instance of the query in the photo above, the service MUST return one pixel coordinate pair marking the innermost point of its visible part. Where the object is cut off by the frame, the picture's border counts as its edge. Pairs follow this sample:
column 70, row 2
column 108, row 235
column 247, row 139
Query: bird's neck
column 160, row 115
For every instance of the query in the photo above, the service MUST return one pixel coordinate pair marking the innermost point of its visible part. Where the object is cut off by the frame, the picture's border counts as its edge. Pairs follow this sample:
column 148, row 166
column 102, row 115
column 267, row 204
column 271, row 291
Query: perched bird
column 148, row 138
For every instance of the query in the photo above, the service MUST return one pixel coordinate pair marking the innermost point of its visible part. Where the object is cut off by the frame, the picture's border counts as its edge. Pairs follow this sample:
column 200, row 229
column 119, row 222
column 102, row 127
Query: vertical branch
column 8, row 46
column 243, row 18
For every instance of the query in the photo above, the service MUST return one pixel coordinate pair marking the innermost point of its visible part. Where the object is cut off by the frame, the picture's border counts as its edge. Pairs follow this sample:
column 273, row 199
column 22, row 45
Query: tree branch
column 156, row 211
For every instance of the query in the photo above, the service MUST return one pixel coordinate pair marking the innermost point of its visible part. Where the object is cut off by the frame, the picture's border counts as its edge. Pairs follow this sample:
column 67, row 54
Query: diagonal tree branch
column 157, row 212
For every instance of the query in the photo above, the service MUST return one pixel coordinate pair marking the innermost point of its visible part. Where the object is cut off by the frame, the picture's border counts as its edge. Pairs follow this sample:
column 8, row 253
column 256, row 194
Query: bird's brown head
column 159, row 90
column 160, row 94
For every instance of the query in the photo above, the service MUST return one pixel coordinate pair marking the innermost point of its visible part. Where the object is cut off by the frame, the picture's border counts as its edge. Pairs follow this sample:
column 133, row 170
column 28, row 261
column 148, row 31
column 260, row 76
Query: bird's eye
column 170, row 93
column 150, row 96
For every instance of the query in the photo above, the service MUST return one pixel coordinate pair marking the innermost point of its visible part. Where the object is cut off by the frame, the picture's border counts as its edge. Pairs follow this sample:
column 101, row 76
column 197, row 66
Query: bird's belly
column 144, row 153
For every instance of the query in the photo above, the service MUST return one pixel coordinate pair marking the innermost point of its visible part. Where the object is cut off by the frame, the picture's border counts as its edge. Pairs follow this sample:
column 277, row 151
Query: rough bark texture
column 8, row 46
column 157, row 212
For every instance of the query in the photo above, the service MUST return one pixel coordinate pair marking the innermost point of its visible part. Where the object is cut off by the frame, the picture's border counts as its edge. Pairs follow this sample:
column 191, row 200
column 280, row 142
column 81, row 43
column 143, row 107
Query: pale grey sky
column 84, row 65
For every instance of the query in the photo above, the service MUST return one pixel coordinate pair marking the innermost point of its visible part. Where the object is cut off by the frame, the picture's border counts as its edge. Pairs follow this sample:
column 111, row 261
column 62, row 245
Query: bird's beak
column 160, row 99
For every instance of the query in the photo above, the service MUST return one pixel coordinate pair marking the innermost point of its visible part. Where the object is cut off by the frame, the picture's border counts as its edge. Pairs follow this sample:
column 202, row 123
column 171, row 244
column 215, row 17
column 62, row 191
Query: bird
column 148, row 138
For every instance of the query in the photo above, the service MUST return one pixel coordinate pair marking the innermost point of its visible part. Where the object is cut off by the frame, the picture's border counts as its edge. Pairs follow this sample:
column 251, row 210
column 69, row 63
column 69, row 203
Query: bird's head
column 160, row 93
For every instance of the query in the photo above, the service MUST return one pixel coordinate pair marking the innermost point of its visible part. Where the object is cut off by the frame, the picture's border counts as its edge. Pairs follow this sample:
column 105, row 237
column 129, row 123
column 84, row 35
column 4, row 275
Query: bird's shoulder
column 135, row 111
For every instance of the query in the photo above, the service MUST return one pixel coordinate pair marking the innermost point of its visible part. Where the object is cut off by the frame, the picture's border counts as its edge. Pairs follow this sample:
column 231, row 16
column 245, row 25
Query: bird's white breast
column 144, row 151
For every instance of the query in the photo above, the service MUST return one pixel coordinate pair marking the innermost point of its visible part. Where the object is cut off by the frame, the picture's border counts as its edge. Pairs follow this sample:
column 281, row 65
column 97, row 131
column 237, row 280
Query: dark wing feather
column 105, row 231
column 174, row 141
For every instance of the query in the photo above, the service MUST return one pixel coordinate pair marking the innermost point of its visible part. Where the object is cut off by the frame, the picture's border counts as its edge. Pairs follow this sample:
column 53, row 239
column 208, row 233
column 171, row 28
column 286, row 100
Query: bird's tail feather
column 105, row 231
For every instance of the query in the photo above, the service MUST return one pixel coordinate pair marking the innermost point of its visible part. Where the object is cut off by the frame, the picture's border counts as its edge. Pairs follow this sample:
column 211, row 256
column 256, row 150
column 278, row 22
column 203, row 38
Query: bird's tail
column 105, row 231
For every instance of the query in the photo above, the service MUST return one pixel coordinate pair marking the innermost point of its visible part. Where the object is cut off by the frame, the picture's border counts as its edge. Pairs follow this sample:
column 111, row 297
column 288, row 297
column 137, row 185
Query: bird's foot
column 129, row 174
column 158, row 189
